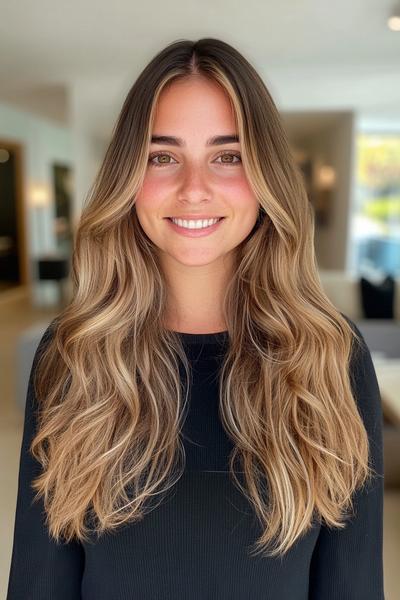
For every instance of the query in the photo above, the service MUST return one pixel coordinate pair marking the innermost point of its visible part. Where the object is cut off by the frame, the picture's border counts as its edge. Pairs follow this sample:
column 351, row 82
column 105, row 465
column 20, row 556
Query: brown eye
column 230, row 156
column 160, row 155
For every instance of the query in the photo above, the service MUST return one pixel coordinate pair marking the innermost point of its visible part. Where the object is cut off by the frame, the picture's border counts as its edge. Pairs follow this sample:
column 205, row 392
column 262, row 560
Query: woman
column 203, row 422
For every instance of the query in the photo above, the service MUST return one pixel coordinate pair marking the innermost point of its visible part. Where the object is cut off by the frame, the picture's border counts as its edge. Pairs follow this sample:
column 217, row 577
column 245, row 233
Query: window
column 376, row 216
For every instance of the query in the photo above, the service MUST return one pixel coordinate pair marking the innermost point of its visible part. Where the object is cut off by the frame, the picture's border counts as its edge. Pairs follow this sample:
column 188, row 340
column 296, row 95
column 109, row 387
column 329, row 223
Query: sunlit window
column 376, row 216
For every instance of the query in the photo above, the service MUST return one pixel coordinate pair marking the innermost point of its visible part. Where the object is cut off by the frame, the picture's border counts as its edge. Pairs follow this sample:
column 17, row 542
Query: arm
column 40, row 568
column 348, row 563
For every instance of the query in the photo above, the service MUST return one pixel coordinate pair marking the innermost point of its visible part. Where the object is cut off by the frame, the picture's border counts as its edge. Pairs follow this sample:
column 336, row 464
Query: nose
column 194, row 186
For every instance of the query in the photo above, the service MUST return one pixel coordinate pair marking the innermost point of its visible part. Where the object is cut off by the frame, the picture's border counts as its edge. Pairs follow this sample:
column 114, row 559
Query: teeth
column 195, row 224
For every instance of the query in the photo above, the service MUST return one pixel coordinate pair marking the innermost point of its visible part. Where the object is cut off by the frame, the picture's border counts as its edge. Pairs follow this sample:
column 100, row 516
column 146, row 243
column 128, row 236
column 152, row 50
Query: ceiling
column 49, row 48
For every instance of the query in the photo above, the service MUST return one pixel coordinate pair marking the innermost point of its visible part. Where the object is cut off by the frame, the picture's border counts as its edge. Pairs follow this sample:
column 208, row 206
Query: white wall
column 336, row 148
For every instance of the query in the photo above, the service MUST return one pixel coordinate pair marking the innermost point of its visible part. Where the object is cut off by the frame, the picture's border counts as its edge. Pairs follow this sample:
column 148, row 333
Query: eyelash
column 156, row 154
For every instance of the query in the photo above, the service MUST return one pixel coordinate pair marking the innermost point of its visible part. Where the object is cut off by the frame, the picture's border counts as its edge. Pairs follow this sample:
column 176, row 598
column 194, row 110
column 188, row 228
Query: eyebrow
column 216, row 140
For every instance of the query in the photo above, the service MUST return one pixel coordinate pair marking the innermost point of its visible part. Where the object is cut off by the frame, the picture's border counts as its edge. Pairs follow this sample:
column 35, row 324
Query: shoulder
column 46, row 337
column 366, row 392
column 41, row 346
column 361, row 364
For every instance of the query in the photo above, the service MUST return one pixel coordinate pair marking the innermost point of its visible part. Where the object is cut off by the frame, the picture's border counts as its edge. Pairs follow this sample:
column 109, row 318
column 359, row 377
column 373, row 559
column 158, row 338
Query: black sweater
column 194, row 544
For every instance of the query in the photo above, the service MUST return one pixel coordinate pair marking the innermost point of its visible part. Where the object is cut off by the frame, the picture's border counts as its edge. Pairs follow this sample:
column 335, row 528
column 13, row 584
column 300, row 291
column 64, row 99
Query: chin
column 196, row 261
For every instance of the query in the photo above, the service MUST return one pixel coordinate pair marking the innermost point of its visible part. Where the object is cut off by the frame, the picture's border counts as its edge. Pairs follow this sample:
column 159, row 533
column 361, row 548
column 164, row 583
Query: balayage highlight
column 111, row 402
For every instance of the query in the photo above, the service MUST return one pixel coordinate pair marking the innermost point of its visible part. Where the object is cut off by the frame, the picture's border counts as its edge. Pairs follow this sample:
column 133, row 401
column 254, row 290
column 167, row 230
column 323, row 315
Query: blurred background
column 333, row 71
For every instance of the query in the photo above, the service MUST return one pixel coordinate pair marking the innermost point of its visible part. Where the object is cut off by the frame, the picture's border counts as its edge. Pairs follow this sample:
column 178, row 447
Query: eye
column 164, row 155
column 157, row 155
column 230, row 155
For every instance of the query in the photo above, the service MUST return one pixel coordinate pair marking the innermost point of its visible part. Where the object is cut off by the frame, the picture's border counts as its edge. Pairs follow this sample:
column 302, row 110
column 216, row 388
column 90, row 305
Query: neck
column 195, row 296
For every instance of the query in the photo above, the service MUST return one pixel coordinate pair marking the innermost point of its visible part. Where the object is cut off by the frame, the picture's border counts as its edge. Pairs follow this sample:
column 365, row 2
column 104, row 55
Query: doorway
column 13, row 251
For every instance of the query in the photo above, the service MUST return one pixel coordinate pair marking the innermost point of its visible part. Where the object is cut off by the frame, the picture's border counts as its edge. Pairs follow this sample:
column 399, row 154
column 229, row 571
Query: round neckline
column 203, row 338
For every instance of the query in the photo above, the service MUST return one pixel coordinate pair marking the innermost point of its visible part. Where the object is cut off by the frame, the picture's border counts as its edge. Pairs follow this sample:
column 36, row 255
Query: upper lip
column 194, row 217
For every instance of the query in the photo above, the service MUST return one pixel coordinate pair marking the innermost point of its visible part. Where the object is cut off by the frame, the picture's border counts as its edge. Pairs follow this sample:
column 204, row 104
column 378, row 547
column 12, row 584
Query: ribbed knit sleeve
column 348, row 563
column 40, row 568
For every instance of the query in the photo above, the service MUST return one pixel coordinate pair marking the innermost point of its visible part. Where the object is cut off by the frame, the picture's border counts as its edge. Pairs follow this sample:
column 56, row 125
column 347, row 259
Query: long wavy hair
column 111, row 401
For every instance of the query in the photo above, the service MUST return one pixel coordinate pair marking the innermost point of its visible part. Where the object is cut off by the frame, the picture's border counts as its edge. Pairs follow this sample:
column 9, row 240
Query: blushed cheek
column 238, row 192
column 150, row 195
column 233, row 190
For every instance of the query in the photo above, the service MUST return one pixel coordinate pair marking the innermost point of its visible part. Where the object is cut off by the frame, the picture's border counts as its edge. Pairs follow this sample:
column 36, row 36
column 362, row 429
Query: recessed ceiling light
column 393, row 21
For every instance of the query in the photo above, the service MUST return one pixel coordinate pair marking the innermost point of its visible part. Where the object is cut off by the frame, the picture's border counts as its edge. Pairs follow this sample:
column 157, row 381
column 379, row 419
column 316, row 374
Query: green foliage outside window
column 378, row 175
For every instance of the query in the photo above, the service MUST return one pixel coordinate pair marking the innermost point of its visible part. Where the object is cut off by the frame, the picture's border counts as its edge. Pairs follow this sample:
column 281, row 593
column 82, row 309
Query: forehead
column 196, row 104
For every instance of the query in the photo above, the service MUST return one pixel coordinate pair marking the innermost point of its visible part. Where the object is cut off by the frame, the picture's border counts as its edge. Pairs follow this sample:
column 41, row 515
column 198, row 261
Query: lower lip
column 195, row 232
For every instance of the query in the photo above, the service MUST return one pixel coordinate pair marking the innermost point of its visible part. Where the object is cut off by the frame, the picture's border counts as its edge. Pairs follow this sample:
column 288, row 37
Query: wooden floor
column 16, row 314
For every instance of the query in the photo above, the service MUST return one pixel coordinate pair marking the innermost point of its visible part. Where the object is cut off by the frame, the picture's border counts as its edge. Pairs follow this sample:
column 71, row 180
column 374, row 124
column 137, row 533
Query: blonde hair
column 111, row 402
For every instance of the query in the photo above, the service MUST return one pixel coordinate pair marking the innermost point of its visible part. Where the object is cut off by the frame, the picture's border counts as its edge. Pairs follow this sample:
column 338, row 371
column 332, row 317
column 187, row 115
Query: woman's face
column 187, row 177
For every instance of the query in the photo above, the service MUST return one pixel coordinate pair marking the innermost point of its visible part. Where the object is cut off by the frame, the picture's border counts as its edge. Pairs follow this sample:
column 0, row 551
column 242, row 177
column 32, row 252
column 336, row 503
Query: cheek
column 235, row 191
column 149, row 196
column 239, row 194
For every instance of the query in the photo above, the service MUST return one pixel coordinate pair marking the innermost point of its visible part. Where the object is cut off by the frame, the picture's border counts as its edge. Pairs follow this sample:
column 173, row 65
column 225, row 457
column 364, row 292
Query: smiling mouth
column 184, row 225
column 175, row 220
